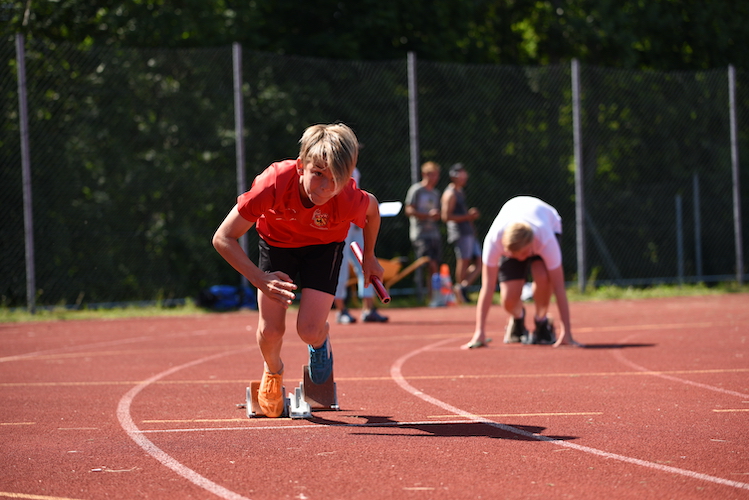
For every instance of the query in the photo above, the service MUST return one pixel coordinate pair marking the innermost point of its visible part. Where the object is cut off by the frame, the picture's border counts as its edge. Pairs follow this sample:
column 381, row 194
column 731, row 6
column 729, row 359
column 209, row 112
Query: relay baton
column 380, row 289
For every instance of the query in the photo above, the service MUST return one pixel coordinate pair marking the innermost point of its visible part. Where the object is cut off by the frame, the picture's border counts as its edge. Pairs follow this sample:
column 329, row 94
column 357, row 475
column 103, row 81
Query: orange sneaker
column 270, row 395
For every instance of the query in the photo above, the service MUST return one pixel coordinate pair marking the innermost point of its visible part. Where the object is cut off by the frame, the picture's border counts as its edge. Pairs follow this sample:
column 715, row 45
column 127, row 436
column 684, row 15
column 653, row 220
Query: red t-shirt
column 275, row 205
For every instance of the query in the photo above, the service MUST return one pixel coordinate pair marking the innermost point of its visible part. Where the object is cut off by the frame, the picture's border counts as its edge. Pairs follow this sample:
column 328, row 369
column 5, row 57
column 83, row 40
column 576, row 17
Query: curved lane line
column 397, row 375
column 126, row 421
column 620, row 357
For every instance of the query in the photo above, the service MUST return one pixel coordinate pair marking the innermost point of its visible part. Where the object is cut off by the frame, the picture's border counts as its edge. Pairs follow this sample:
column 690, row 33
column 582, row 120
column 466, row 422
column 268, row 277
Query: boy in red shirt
column 302, row 210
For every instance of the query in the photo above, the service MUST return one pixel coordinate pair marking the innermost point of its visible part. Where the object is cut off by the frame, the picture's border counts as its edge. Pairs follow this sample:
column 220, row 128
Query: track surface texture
column 655, row 407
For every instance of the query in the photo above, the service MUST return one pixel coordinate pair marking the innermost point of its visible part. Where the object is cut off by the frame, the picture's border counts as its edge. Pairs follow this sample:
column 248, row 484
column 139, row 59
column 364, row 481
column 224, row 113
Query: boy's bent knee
column 313, row 334
column 512, row 305
column 509, row 302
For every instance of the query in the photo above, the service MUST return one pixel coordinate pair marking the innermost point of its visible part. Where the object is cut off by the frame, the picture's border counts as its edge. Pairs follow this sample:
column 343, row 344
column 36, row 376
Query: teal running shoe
column 320, row 362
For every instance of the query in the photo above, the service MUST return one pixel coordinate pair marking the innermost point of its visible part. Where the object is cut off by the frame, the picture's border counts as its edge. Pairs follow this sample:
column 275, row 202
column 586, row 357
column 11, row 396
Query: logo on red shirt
column 320, row 220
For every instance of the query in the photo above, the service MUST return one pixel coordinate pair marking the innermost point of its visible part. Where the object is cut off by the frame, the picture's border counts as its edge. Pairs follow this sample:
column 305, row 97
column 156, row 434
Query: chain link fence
column 656, row 147
column 133, row 160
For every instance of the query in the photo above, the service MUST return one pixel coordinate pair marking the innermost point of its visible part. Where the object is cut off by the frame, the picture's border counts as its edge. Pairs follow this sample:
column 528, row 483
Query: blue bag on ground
column 227, row 297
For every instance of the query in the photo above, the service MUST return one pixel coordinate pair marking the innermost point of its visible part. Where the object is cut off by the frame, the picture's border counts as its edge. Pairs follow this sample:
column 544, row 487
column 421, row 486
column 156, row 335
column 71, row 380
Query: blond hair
column 430, row 166
column 335, row 145
column 517, row 236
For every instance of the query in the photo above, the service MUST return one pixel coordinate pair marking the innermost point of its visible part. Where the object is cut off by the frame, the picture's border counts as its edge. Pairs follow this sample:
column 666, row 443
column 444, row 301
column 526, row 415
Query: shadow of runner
column 616, row 346
column 439, row 429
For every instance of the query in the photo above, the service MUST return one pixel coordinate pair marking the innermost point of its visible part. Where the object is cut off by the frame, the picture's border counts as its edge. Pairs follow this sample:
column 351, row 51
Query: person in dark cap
column 461, row 232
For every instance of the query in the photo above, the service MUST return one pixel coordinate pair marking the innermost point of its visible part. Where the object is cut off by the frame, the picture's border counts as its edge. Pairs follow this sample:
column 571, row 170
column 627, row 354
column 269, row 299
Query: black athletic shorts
column 314, row 266
column 513, row 269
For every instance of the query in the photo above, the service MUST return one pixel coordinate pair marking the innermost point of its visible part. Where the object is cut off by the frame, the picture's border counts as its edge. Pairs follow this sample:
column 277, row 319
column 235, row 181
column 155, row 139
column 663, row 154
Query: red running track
column 657, row 406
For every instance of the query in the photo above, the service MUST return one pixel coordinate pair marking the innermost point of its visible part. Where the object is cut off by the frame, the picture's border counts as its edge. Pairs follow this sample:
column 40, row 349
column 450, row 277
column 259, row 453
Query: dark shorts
column 431, row 247
column 314, row 266
column 467, row 247
column 513, row 269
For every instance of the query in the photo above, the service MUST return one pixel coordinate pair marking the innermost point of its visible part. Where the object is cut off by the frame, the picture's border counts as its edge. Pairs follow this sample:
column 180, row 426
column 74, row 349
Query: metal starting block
column 299, row 404
column 320, row 396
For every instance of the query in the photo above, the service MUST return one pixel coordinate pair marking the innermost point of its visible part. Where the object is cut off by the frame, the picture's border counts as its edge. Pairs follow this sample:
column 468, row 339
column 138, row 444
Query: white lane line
column 310, row 426
column 397, row 375
column 638, row 373
column 513, row 415
column 284, row 426
column 619, row 356
column 60, row 352
column 31, row 497
column 127, row 423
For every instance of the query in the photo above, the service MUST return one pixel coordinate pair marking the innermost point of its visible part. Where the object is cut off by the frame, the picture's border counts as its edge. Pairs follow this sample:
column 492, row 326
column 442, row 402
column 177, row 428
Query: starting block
column 299, row 404
column 320, row 396
column 252, row 405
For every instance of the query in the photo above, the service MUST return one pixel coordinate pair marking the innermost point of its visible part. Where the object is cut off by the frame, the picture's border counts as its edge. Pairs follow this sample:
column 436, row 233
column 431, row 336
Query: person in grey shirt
column 423, row 211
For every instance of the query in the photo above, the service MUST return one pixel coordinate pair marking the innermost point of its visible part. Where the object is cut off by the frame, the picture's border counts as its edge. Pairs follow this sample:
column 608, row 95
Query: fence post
column 236, row 50
column 413, row 122
column 413, row 117
column 697, row 226
column 679, row 241
column 579, row 178
column 735, row 172
column 28, row 215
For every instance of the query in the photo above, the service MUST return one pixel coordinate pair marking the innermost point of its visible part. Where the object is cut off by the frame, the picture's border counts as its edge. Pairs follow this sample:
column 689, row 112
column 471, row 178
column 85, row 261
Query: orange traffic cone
column 446, row 289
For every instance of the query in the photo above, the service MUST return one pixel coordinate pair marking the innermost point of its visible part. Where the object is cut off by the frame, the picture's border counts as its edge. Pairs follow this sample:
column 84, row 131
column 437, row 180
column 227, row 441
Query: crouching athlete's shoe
column 516, row 331
column 545, row 331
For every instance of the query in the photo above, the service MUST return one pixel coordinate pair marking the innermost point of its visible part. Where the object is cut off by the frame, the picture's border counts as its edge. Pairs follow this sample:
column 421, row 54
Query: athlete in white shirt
column 524, row 238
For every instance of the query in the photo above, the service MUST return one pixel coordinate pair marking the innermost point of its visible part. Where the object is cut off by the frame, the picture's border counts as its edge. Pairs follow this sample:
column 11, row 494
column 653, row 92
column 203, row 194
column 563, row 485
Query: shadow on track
column 616, row 346
column 437, row 429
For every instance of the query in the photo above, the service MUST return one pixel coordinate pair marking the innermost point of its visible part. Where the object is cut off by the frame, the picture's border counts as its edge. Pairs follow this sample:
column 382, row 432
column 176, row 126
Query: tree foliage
column 632, row 34
column 131, row 122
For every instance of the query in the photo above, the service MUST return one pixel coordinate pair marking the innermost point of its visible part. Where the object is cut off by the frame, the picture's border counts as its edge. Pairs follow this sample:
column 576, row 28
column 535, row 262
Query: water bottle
column 437, row 300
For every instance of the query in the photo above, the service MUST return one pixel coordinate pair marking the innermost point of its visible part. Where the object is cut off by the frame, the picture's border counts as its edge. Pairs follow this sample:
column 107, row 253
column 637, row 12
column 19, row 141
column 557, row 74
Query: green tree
column 632, row 34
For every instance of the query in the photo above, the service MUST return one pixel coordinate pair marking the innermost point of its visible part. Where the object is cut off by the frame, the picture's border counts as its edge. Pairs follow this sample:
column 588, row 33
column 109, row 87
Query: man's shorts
column 431, row 247
column 467, row 247
column 314, row 266
column 513, row 269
